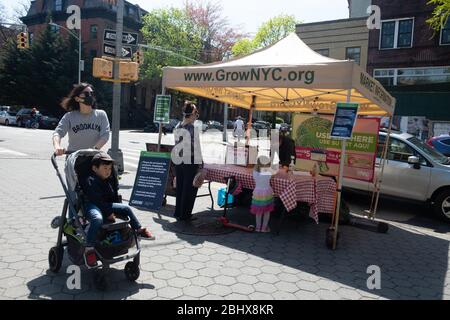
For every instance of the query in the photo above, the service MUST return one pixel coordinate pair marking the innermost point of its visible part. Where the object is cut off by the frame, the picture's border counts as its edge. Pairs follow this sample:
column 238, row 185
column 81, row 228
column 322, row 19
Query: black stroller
column 113, row 240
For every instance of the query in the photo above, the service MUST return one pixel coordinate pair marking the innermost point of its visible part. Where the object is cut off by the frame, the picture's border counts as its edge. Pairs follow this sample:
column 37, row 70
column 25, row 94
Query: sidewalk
column 237, row 265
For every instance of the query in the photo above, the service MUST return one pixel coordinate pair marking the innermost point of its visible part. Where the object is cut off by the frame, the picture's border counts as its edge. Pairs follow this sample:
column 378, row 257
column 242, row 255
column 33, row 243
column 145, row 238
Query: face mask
column 89, row 100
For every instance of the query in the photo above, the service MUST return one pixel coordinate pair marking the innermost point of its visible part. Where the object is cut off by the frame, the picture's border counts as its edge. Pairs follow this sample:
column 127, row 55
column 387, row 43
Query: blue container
column 221, row 197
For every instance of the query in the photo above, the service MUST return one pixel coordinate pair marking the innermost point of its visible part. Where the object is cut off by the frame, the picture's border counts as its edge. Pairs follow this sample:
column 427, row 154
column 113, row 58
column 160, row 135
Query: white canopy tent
column 286, row 77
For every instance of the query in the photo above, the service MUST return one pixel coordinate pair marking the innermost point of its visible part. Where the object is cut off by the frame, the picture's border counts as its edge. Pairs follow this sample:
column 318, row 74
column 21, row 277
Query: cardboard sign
column 151, row 178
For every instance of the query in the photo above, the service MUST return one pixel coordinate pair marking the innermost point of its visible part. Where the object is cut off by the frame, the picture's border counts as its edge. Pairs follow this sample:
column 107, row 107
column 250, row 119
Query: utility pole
column 115, row 152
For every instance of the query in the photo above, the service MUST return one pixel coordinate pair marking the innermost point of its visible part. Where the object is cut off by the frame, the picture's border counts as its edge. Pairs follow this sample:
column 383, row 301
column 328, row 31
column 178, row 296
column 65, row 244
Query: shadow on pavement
column 413, row 264
column 54, row 285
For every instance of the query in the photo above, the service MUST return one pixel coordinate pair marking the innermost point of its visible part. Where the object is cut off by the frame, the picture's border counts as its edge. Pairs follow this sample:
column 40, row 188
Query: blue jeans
column 95, row 218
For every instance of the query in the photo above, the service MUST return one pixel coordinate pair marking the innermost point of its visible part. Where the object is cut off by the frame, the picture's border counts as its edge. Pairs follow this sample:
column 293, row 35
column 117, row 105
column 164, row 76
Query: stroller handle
column 53, row 158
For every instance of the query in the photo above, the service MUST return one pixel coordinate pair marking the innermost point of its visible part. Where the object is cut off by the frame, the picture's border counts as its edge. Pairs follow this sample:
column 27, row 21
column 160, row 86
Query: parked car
column 259, row 125
column 413, row 171
column 213, row 125
column 230, row 124
column 47, row 120
column 23, row 116
column 441, row 144
column 8, row 118
column 5, row 108
column 168, row 127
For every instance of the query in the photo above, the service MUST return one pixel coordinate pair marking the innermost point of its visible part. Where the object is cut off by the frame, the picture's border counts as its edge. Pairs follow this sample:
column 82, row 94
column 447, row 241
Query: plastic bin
column 221, row 197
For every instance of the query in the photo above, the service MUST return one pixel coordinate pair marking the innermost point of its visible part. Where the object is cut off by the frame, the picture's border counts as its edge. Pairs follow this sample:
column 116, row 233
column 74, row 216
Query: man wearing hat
column 102, row 204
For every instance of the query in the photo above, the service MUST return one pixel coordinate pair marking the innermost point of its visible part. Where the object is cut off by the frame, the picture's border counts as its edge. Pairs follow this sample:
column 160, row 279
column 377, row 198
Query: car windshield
column 12, row 113
column 430, row 152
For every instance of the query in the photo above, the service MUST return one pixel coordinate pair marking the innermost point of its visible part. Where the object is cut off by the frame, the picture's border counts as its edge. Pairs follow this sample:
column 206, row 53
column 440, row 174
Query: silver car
column 8, row 118
column 414, row 171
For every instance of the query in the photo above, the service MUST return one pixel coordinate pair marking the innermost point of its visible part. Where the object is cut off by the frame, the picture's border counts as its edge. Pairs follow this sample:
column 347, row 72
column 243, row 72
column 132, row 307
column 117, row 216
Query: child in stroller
column 113, row 240
column 101, row 202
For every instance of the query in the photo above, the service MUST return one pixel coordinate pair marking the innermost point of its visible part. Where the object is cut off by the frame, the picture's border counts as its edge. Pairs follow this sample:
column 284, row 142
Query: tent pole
column 225, row 122
column 163, row 92
column 339, row 182
column 249, row 124
column 383, row 162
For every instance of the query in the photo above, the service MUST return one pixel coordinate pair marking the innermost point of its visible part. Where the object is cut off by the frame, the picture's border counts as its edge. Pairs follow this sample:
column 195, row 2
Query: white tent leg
column 383, row 162
column 339, row 183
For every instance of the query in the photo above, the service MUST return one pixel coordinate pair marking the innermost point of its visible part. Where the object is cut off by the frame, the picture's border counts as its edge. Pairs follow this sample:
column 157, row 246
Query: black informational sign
column 151, row 178
column 344, row 120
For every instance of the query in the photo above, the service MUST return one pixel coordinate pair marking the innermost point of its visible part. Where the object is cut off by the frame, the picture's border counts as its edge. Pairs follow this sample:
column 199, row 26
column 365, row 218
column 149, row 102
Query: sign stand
column 337, row 132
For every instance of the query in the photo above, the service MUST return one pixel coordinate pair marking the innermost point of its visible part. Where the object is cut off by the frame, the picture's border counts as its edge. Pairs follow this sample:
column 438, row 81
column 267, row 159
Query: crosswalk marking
column 12, row 152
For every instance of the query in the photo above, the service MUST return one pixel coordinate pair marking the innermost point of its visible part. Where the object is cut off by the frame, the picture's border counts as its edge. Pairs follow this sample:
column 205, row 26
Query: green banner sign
column 162, row 109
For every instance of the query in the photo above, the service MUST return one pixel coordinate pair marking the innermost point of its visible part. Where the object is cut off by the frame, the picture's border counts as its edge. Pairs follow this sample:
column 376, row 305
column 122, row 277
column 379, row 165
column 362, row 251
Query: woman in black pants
column 188, row 159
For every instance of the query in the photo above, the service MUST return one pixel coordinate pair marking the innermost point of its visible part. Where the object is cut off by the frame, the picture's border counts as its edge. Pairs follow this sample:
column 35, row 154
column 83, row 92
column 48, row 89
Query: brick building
column 413, row 64
column 96, row 17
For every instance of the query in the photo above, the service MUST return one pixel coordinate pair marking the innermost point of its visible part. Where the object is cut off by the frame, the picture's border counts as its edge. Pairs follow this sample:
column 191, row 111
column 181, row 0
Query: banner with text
column 314, row 144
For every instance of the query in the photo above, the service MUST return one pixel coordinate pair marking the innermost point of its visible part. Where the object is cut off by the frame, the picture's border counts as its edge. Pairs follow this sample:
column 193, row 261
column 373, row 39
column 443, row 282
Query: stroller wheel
column 132, row 271
column 100, row 281
column 55, row 256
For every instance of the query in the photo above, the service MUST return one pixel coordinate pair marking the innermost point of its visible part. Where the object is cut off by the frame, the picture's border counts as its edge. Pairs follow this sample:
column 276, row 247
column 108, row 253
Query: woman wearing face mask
column 187, row 168
column 86, row 126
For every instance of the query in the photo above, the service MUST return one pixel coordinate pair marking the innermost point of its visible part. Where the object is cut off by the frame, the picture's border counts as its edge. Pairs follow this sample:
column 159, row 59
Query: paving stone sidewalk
column 238, row 265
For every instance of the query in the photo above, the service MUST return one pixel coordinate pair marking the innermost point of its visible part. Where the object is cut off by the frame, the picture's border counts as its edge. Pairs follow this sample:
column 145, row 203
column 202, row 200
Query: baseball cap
column 102, row 156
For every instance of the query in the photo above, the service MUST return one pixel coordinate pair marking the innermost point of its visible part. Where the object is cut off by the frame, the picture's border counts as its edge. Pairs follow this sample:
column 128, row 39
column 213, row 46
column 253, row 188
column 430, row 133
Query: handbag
column 199, row 178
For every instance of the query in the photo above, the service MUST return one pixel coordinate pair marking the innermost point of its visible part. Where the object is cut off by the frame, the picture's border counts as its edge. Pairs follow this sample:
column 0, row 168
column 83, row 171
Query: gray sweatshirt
column 84, row 130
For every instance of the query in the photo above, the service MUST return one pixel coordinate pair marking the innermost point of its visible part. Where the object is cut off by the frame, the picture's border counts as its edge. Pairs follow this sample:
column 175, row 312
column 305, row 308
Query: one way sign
column 110, row 50
column 128, row 38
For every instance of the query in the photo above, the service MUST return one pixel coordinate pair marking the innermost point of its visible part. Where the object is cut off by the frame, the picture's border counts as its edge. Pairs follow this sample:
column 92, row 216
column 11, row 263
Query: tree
column 441, row 14
column 216, row 35
column 166, row 31
column 41, row 75
column 270, row 32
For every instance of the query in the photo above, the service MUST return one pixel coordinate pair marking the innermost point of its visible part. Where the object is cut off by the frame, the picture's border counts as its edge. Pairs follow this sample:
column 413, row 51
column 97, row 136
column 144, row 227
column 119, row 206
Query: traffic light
column 128, row 71
column 137, row 57
column 102, row 68
column 22, row 40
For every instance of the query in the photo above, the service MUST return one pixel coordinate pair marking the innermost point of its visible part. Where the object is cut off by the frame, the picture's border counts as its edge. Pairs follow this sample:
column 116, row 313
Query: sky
column 248, row 15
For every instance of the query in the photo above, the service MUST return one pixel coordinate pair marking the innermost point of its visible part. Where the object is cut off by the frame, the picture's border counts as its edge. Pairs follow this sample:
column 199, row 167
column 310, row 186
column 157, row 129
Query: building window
column 445, row 34
column 396, row 34
column 58, row 5
column 353, row 54
column 93, row 33
column 324, row 52
column 412, row 76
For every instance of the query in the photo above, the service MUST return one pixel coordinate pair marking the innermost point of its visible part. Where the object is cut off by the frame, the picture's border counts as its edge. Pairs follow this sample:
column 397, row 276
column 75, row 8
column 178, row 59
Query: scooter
column 234, row 188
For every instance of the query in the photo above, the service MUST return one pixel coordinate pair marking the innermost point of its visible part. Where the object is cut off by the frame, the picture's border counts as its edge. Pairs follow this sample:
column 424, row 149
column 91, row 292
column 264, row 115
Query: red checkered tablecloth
column 318, row 192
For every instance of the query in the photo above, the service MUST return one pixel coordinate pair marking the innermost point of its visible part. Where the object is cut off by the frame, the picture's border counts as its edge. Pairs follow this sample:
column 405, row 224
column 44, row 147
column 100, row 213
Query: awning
column 286, row 77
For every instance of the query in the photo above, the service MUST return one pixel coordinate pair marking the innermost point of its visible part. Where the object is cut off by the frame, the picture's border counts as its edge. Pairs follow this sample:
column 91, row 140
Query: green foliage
column 270, row 32
column 243, row 47
column 169, row 29
column 274, row 30
column 441, row 14
column 41, row 75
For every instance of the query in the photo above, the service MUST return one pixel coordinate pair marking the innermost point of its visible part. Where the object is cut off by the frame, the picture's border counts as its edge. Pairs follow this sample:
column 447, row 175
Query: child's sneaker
column 145, row 234
column 90, row 257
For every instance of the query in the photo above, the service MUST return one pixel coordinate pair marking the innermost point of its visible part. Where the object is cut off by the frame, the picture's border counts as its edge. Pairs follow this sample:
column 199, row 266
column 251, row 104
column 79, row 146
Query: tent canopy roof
column 287, row 77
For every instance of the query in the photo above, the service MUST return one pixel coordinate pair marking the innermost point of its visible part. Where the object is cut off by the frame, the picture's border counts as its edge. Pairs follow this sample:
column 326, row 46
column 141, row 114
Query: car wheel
column 6, row 122
column 441, row 205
